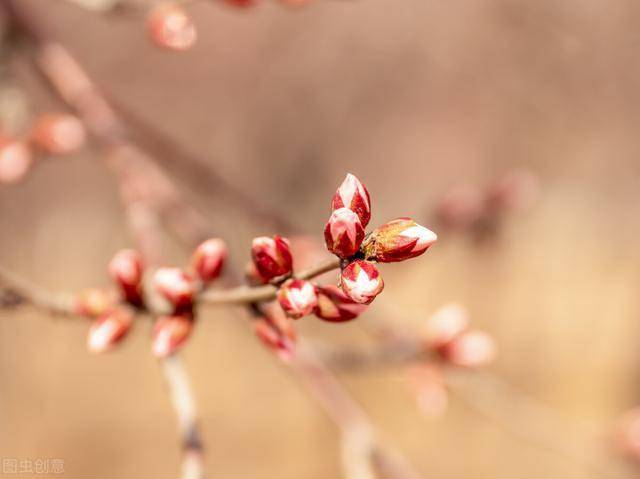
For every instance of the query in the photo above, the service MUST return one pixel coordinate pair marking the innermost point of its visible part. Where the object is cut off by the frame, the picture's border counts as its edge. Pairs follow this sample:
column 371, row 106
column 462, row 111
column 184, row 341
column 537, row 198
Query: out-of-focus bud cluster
column 52, row 134
column 276, row 331
column 479, row 210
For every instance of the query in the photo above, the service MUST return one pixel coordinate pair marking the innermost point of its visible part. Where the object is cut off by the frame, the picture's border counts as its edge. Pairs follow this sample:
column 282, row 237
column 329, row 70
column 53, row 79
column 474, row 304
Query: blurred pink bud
column 335, row 306
column 208, row 258
column 353, row 195
column 271, row 256
column 126, row 268
column 276, row 331
column 175, row 285
column 398, row 240
column 297, row 297
column 445, row 324
column 517, row 191
column 171, row 27
column 58, row 133
column 170, row 333
column 361, row 281
column 428, row 386
column 108, row 330
column 627, row 436
column 242, row 3
column 470, row 349
column 343, row 233
column 94, row 302
column 15, row 160
column 461, row 207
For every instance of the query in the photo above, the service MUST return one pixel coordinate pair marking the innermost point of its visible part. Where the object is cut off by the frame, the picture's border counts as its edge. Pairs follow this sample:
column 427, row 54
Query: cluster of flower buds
column 476, row 209
column 344, row 233
column 52, row 134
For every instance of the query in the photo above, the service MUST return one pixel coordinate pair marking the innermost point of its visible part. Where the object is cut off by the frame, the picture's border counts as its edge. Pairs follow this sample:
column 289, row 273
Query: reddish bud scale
column 94, row 302
column 126, row 269
column 271, row 256
column 208, row 259
column 108, row 330
column 177, row 286
column 361, row 281
column 170, row 333
column 276, row 331
column 398, row 240
column 171, row 27
column 58, row 133
column 15, row 160
column 343, row 233
column 335, row 306
column 297, row 298
column 353, row 195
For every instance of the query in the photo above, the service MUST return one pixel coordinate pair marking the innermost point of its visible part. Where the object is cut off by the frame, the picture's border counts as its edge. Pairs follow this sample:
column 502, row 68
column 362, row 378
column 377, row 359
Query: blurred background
column 414, row 97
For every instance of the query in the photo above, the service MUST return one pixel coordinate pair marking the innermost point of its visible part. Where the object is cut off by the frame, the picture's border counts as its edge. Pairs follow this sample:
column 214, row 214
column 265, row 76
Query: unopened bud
column 461, row 207
column 58, row 133
column 271, row 256
column 335, row 306
column 343, row 233
column 108, row 330
column 208, row 259
column 177, row 286
column 628, row 435
column 445, row 324
column 470, row 349
column 361, row 281
column 15, row 160
column 352, row 194
column 398, row 240
column 170, row 333
column 276, row 331
column 297, row 298
column 515, row 191
column 94, row 302
column 171, row 27
column 126, row 269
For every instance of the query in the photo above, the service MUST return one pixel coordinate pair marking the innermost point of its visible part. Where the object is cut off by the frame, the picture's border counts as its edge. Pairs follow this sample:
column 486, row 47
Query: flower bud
column 126, row 268
column 170, row 27
column 177, row 286
column 170, row 333
column 515, row 191
column 297, row 298
column 461, row 208
column 58, row 133
column 276, row 331
column 15, row 160
column 94, row 302
column 343, row 233
column 627, row 436
column 208, row 258
column 271, row 256
column 470, row 349
column 335, row 306
column 445, row 324
column 361, row 281
column 108, row 330
column 352, row 194
column 398, row 240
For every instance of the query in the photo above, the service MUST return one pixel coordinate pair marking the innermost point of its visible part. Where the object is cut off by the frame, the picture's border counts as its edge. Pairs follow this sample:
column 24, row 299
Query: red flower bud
column 175, row 285
column 15, row 160
column 352, row 194
column 276, row 331
column 361, row 281
column 297, row 298
column 171, row 27
column 398, row 240
column 470, row 349
column 109, row 329
column 94, row 302
column 208, row 258
column 170, row 333
column 272, row 256
column 126, row 269
column 343, row 233
column 335, row 306
column 445, row 324
column 58, row 133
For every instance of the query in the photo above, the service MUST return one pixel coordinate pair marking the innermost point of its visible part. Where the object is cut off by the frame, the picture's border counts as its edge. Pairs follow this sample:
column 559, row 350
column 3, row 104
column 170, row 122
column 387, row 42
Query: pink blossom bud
column 58, row 133
column 361, row 281
column 297, row 298
column 353, row 195
column 335, row 306
column 271, row 256
column 170, row 27
column 15, row 160
column 427, row 384
column 208, row 258
column 461, row 207
column 627, row 436
column 94, row 302
column 276, row 331
column 170, row 333
column 515, row 191
column 470, row 349
column 126, row 268
column 343, row 233
column 398, row 240
column 445, row 324
column 109, row 329
column 175, row 285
